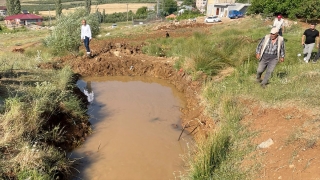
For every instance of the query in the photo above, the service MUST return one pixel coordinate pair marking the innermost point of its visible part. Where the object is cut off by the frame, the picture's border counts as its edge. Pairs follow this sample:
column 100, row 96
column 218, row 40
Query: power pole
column 127, row 13
column 49, row 18
column 157, row 8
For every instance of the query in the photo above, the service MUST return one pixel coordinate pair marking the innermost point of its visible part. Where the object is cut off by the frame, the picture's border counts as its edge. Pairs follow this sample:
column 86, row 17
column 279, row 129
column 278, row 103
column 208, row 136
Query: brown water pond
column 136, row 126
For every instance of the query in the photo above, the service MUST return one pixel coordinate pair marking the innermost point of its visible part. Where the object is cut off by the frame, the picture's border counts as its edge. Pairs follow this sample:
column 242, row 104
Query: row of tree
column 308, row 9
column 14, row 7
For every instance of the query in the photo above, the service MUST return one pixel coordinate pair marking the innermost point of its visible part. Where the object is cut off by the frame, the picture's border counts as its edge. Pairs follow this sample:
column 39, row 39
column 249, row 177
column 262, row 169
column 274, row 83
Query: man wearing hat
column 278, row 23
column 270, row 50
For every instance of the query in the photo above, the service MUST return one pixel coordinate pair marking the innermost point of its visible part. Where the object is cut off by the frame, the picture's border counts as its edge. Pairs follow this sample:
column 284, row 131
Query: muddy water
column 136, row 126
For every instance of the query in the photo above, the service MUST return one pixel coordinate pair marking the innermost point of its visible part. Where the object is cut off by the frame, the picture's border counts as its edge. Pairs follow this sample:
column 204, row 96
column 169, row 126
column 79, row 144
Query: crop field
column 109, row 8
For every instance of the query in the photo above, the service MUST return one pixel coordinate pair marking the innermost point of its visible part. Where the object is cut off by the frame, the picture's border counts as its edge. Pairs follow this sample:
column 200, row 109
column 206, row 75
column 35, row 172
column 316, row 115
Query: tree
column 142, row 11
column 308, row 9
column 17, row 7
column 189, row 3
column 13, row 7
column 58, row 8
column 88, row 6
column 169, row 7
column 10, row 7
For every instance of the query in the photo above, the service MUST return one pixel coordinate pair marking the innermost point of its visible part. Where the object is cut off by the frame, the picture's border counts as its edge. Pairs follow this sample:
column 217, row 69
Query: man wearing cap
column 278, row 23
column 270, row 50
column 309, row 38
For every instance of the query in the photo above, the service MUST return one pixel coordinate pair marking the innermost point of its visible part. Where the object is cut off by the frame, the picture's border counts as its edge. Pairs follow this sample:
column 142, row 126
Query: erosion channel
column 136, row 125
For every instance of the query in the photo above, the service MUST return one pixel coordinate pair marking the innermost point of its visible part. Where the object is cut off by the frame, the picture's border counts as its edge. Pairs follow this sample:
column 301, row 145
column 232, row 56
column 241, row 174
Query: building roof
column 23, row 17
column 3, row 8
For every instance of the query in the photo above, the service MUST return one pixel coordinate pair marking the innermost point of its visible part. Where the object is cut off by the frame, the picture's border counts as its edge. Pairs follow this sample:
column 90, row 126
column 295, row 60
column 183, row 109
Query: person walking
column 269, row 52
column 279, row 24
column 86, row 36
column 318, row 54
column 167, row 34
column 308, row 40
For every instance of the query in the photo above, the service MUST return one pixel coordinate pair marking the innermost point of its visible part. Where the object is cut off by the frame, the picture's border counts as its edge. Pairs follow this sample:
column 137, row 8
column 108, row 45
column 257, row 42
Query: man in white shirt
column 278, row 23
column 86, row 36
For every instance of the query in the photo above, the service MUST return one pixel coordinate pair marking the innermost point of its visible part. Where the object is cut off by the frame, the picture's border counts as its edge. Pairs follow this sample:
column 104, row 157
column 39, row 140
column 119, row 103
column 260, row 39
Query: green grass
column 219, row 156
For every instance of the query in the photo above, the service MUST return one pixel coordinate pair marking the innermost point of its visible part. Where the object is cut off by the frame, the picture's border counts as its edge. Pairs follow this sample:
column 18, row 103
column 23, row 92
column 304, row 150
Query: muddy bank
column 122, row 59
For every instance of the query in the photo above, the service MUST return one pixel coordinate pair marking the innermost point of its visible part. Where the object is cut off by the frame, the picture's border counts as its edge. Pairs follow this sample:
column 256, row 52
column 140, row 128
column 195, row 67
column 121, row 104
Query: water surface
column 136, row 125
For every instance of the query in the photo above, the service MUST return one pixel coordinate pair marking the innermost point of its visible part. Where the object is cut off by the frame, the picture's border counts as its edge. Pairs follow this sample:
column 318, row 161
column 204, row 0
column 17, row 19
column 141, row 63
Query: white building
column 221, row 8
column 201, row 5
column 3, row 10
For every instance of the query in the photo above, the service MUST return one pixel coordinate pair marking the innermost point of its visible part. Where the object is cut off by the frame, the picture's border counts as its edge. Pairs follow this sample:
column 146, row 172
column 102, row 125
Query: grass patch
column 219, row 156
column 39, row 111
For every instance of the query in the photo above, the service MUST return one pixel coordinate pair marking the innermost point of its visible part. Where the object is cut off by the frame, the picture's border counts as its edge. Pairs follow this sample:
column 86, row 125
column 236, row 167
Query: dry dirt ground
column 294, row 131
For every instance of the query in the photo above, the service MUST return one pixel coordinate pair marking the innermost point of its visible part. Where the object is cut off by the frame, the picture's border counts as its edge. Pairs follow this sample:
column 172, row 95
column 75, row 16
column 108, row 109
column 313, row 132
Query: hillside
column 225, row 100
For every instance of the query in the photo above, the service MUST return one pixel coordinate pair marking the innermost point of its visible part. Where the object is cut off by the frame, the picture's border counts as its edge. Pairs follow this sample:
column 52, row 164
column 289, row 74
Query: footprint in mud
column 175, row 126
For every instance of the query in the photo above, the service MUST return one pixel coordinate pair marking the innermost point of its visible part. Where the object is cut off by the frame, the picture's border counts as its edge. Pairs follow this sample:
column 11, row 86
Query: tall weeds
column 28, row 130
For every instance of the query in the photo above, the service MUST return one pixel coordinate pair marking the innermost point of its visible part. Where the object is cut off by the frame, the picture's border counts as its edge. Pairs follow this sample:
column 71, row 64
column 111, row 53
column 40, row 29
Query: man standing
column 86, row 36
column 308, row 39
column 278, row 23
column 270, row 50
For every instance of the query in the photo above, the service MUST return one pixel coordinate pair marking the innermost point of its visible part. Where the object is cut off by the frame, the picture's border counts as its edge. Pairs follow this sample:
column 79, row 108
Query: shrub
column 66, row 34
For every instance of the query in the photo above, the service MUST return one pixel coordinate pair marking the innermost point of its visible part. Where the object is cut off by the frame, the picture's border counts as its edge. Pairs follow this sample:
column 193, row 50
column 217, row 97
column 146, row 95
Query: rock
column 265, row 144
column 116, row 53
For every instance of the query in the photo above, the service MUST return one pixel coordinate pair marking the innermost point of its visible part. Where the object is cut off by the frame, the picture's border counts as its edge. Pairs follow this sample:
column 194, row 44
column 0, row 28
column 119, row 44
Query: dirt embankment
column 122, row 59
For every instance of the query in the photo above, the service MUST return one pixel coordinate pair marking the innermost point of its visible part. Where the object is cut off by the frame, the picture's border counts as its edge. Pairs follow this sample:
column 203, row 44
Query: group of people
column 271, row 49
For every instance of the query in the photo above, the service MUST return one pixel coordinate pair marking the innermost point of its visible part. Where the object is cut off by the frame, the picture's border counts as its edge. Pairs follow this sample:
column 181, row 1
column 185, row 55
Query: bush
column 66, row 34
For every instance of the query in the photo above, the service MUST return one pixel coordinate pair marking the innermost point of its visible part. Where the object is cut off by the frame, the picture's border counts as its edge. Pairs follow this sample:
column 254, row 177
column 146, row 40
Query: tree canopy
column 168, row 7
column 308, row 9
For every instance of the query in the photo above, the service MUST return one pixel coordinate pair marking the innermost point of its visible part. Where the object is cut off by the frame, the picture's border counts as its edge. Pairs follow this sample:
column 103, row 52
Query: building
column 23, row 19
column 201, row 5
column 221, row 8
column 3, row 10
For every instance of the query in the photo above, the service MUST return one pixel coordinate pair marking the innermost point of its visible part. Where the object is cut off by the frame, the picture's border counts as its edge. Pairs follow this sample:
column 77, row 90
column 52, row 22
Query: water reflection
column 88, row 92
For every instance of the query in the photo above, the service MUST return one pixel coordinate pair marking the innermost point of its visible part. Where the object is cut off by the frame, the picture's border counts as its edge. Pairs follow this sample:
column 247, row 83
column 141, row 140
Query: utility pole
column 157, row 9
column 49, row 18
column 127, row 13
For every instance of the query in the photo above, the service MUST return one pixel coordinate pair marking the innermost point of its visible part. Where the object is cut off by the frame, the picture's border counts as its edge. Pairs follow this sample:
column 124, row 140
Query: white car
column 212, row 19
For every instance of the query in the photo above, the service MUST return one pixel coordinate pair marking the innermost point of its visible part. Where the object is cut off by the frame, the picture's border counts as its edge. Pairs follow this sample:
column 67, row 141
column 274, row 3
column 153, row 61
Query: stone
column 265, row 144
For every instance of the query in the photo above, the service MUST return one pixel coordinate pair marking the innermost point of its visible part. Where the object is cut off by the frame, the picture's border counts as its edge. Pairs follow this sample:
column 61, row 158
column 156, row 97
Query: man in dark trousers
column 317, row 56
column 269, row 52
column 309, row 38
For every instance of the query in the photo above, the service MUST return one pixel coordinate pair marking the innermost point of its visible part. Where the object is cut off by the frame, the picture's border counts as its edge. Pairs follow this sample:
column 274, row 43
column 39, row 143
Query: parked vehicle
column 234, row 14
column 212, row 19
